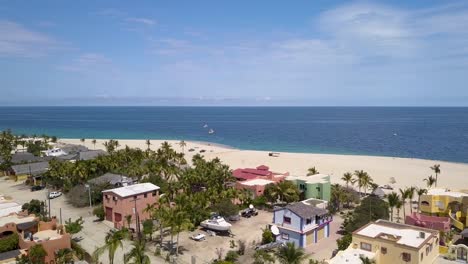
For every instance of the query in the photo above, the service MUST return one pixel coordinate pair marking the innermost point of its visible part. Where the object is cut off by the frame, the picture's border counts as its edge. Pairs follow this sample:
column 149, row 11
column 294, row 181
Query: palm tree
column 312, row 171
column 290, row 254
column 366, row 182
column 420, row 191
column 398, row 206
column 94, row 143
column 411, row 191
column 148, row 144
column 430, row 181
column 392, row 198
column 182, row 144
column 181, row 222
column 64, row 256
column 284, row 191
column 404, row 195
column 436, row 169
column 113, row 241
column 361, row 175
column 137, row 253
column 348, row 178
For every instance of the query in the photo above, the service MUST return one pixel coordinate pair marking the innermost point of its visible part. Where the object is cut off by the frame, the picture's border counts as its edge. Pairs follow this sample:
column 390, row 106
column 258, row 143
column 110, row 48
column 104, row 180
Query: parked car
column 53, row 195
column 202, row 151
column 251, row 211
column 191, row 150
column 37, row 188
column 198, row 237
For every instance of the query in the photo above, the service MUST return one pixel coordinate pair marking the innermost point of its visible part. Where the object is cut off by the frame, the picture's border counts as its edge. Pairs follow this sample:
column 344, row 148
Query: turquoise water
column 428, row 133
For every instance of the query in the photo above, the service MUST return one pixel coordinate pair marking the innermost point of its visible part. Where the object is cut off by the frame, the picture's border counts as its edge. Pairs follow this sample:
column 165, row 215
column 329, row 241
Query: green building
column 315, row 186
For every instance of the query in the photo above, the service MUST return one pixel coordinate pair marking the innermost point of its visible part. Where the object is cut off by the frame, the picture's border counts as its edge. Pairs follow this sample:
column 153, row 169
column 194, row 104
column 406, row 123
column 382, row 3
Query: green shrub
column 267, row 236
column 231, row 256
column 99, row 213
column 9, row 243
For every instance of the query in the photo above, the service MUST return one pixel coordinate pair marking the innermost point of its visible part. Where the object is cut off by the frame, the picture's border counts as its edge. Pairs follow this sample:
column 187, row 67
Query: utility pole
column 137, row 218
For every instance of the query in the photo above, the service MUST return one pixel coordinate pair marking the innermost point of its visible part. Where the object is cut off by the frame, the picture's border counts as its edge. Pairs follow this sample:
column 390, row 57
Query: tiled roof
column 110, row 178
column 306, row 211
column 31, row 168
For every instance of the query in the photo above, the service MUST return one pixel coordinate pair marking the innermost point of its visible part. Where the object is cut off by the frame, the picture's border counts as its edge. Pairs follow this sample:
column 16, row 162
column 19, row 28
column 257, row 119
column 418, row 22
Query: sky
column 311, row 53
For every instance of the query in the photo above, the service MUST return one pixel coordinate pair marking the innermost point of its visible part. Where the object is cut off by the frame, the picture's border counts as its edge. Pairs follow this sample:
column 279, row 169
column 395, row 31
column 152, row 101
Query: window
column 366, row 246
column 287, row 220
column 406, row 257
column 308, row 221
column 427, row 251
column 383, row 250
column 422, row 256
column 145, row 195
column 135, row 197
column 284, row 236
column 154, row 193
column 107, row 196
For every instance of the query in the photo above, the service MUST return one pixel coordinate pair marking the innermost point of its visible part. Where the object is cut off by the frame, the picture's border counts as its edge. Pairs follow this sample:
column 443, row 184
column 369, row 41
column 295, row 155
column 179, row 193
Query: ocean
column 411, row 132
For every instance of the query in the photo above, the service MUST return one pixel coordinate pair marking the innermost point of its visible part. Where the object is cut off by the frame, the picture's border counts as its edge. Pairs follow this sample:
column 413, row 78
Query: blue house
column 303, row 223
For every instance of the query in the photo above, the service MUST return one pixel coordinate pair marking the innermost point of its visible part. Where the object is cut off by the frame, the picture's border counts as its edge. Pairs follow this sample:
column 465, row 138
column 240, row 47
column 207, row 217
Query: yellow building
column 443, row 202
column 391, row 243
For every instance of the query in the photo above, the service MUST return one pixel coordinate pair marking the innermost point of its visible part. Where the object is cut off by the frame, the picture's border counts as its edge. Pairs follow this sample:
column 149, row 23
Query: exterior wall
column 291, row 236
column 50, row 246
column 312, row 189
column 125, row 206
column 395, row 251
column 432, row 222
column 296, row 221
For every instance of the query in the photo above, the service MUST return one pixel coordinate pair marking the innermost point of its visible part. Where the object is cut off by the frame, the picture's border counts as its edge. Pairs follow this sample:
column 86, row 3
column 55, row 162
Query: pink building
column 256, row 179
column 261, row 172
column 129, row 200
column 256, row 186
column 432, row 222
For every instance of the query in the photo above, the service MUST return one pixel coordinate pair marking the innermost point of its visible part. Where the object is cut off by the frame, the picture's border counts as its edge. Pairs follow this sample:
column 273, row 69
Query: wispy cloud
column 141, row 20
column 19, row 41
column 87, row 62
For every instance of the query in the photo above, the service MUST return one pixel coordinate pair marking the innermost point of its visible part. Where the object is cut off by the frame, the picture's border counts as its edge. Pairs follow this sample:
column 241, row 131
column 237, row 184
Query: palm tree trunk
column 436, row 181
column 177, row 247
column 419, row 202
column 391, row 214
column 404, row 210
column 411, row 206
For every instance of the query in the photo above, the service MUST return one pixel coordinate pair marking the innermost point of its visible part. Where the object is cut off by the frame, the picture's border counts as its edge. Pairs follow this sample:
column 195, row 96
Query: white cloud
column 18, row 41
column 87, row 62
column 141, row 20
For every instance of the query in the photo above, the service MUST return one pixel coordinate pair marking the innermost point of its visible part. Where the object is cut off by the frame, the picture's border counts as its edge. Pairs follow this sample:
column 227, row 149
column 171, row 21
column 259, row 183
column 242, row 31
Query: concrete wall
column 290, row 236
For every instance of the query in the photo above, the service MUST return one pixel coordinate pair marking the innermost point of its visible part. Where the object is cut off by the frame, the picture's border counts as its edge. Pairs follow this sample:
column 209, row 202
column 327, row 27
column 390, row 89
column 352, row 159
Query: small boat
column 211, row 131
column 216, row 223
column 205, row 125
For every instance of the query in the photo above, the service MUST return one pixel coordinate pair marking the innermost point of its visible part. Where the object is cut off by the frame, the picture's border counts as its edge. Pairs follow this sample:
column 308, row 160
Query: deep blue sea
column 418, row 132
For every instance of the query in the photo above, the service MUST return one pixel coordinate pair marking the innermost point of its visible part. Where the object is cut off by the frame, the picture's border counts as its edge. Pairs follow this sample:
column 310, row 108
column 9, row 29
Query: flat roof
column 46, row 235
column 351, row 256
column 399, row 233
column 441, row 191
column 7, row 207
column 317, row 178
column 134, row 189
column 256, row 182
column 15, row 219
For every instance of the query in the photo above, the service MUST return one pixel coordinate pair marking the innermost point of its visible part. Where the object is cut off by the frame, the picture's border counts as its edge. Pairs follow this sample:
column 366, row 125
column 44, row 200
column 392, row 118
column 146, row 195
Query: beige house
column 387, row 242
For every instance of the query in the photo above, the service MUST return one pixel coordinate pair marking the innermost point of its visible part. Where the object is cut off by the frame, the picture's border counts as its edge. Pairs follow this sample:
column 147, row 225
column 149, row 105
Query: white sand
column 407, row 172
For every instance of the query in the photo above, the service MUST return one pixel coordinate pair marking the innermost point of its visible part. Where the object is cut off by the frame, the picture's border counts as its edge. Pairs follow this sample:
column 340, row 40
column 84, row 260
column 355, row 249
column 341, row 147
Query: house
column 23, row 171
column 90, row 154
column 255, row 186
column 458, row 251
column 131, row 201
column 32, row 231
column 115, row 180
column 444, row 202
column 388, row 242
column 261, row 172
column 433, row 222
column 303, row 223
column 314, row 186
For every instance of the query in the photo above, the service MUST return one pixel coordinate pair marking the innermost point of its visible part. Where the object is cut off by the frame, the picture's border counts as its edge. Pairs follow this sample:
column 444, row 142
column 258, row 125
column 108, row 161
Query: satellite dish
column 274, row 229
column 251, row 206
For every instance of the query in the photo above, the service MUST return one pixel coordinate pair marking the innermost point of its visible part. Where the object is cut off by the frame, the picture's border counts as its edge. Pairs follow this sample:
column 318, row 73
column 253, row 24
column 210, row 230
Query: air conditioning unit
column 422, row 235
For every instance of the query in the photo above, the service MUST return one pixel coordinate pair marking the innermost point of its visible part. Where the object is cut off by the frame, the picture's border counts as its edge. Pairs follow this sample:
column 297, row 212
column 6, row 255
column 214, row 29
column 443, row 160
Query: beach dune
column 406, row 171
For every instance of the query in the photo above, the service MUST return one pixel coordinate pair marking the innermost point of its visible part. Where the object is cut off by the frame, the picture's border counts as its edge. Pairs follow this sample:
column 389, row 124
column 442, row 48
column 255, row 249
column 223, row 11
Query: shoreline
column 406, row 171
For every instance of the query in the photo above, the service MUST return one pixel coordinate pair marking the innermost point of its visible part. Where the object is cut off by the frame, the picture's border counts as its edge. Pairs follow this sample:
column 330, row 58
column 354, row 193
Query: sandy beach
column 406, row 171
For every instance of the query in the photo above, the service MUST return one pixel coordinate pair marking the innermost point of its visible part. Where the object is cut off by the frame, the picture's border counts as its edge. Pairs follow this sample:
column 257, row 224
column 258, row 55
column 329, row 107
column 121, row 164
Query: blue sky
column 234, row 53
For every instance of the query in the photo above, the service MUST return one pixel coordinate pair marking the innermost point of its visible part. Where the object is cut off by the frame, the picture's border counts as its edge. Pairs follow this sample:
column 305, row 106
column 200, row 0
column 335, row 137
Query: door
column 310, row 238
column 109, row 214
column 320, row 233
